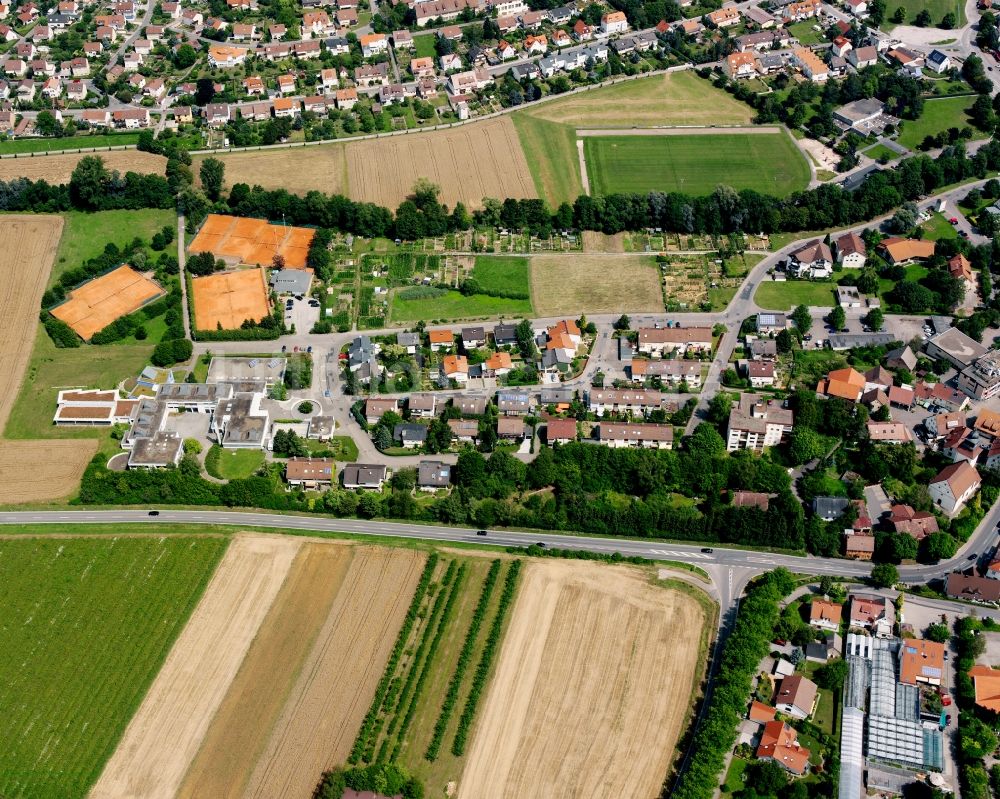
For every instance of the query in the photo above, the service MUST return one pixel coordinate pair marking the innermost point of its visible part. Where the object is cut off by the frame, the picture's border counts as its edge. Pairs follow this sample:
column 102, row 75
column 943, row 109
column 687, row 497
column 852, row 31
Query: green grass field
column 767, row 162
column 51, row 369
column 550, row 150
column 938, row 227
column 73, row 143
column 85, row 235
column 880, row 151
column 803, row 31
column 501, row 275
column 783, row 296
column 455, row 305
column 232, row 464
column 423, row 46
column 86, row 625
column 936, row 8
column 938, row 116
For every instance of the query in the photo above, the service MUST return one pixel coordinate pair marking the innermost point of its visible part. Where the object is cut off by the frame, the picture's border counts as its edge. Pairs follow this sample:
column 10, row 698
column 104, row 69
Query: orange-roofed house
column 954, row 486
column 825, row 615
column 441, row 339
column 921, row 661
column 761, row 712
column 569, row 327
column 724, row 17
column 497, row 364
column 561, row 342
column 614, row 22
column 987, row 682
column 848, row 384
column 741, row 65
column 904, row 251
column 536, row 45
column 455, row 367
column 960, row 268
column 780, row 743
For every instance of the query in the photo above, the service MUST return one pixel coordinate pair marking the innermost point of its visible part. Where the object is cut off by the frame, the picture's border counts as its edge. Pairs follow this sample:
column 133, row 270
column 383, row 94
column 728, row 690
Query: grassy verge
column 232, row 464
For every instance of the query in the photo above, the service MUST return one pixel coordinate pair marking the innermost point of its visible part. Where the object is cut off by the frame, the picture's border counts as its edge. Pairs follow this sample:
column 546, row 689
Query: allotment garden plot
column 99, row 302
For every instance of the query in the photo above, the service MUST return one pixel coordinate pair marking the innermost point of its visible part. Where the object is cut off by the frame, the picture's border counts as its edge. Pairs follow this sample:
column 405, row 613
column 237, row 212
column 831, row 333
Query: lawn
column 342, row 447
column 938, row 227
column 87, row 624
column 497, row 275
column 880, row 151
column 785, row 295
column 734, row 777
column 232, row 464
column 85, row 235
column 936, row 8
column 695, row 164
column 423, row 46
column 450, row 305
column 938, row 116
column 73, row 143
column 550, row 150
column 803, row 31
column 51, row 369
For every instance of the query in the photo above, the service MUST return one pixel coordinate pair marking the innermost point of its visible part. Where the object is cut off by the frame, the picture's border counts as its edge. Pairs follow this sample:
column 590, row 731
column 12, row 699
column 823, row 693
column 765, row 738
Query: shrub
column 167, row 353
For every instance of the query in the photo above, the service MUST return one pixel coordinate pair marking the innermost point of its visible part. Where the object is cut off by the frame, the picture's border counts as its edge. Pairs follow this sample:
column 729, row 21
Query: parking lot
column 302, row 313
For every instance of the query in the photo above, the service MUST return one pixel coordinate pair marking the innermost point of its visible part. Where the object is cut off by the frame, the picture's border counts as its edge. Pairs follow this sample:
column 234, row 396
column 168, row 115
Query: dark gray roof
column 433, row 474
column 829, row 508
column 846, row 341
column 410, row 432
column 364, row 474
column 291, row 281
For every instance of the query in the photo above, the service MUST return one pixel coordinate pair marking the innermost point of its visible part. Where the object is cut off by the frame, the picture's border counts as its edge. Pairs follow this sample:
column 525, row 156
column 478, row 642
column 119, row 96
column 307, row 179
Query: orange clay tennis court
column 252, row 241
column 229, row 299
column 99, row 302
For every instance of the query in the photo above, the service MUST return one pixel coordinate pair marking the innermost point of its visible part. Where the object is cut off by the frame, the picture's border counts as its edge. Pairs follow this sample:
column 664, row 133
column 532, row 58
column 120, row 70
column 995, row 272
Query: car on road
column 953, row 220
column 314, row 303
column 540, row 545
column 707, row 550
column 480, row 532
column 973, row 556
column 154, row 513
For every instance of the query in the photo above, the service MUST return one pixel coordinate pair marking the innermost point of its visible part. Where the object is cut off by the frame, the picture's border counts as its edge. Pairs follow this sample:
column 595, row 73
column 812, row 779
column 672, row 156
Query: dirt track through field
column 171, row 722
column 325, row 709
column 57, row 169
column 591, row 689
column 240, row 729
column 30, row 471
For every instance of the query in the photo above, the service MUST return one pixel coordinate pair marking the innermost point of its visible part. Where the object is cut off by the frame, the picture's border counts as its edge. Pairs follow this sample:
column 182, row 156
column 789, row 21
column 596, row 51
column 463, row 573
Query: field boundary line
column 681, row 130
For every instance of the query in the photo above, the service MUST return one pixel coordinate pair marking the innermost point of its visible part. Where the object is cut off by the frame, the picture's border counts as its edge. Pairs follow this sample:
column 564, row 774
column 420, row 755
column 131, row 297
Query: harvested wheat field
column 593, row 283
column 469, row 162
column 30, row 471
column 591, row 689
column 295, row 169
column 167, row 730
column 241, row 240
column 228, row 299
column 240, row 730
column 38, row 471
column 57, row 169
column 334, row 689
column 99, row 302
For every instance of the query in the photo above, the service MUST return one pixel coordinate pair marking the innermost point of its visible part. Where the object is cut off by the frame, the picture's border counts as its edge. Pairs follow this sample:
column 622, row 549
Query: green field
column 51, row 369
column 232, row 464
column 423, row 46
column 785, row 295
column 881, row 151
column 85, row 235
column 86, row 625
column 936, row 8
column 73, row 143
column 455, row 305
column 501, row 275
column 938, row 116
column 803, row 31
column 548, row 130
column 938, row 227
column 695, row 164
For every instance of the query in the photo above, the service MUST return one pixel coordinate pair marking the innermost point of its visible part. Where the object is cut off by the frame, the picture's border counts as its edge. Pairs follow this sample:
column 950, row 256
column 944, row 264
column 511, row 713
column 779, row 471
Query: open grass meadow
column 938, row 116
column 86, row 624
column 412, row 304
column 550, row 150
column 785, row 295
column 695, row 164
column 52, row 369
column 232, row 464
column 936, row 8
column 85, row 235
column 501, row 275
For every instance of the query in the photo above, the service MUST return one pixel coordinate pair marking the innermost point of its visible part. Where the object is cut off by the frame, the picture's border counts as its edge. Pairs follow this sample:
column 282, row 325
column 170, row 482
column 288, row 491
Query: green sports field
column 695, row 164
column 85, row 624
column 501, row 275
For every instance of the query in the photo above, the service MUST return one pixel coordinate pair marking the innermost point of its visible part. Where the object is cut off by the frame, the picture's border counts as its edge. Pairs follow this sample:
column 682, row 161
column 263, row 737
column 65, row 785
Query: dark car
column 973, row 556
column 707, row 550
column 540, row 544
column 154, row 513
column 480, row 532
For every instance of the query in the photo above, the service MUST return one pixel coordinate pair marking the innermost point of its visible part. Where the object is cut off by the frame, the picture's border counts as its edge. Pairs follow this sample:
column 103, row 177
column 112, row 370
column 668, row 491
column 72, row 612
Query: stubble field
column 567, row 284
column 30, row 471
column 85, row 624
column 591, row 689
column 58, row 168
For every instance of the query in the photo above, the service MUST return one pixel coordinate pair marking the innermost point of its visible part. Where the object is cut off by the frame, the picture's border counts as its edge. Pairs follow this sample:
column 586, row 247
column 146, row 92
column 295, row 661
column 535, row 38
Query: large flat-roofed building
column 267, row 370
column 981, row 380
column 193, row 397
column 954, row 346
column 160, row 450
column 240, row 423
column 77, row 407
column 755, row 423
column 859, row 113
